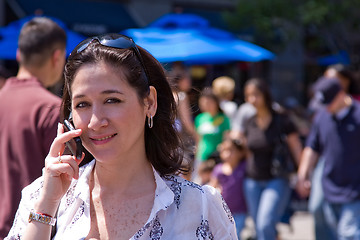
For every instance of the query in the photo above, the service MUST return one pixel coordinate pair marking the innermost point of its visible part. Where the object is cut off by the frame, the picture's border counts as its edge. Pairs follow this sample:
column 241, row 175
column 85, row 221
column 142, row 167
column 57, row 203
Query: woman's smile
column 102, row 140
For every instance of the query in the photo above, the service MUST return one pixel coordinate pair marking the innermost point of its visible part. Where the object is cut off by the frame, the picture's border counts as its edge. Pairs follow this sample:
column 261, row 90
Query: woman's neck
column 263, row 118
column 263, row 112
column 125, row 176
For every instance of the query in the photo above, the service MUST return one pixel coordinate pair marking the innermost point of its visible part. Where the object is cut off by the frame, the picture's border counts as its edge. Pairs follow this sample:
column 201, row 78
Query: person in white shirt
column 124, row 112
column 224, row 88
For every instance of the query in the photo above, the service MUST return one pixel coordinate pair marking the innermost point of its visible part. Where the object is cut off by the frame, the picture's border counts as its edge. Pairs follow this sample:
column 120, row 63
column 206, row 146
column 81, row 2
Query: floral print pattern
column 203, row 231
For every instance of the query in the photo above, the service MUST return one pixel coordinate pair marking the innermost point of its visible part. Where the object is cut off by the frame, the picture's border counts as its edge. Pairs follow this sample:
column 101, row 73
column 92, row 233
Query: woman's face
column 108, row 111
column 254, row 96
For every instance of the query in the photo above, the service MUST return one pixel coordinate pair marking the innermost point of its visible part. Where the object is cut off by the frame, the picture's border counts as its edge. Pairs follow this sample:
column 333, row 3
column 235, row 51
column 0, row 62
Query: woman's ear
column 151, row 102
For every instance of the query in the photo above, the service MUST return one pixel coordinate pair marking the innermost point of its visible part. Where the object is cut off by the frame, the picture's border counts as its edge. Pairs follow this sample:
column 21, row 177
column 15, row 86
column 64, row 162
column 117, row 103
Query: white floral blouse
column 181, row 210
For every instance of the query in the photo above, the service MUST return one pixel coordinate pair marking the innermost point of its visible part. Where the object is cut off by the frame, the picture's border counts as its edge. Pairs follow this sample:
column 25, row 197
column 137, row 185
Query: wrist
column 302, row 176
column 46, row 207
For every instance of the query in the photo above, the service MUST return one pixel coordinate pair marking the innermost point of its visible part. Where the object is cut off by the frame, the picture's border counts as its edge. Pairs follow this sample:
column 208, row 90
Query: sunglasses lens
column 121, row 43
column 81, row 46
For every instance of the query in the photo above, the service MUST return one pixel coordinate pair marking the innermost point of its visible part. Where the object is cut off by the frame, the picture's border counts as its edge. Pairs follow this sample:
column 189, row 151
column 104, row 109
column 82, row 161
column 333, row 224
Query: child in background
column 211, row 125
column 205, row 171
column 228, row 178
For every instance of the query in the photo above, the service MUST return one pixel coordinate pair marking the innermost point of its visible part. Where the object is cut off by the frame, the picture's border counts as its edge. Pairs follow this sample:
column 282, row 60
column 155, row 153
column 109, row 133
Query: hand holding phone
column 74, row 144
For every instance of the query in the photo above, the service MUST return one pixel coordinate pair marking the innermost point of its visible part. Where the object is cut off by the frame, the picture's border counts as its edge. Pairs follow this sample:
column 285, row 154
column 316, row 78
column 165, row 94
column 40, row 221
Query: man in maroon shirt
column 29, row 113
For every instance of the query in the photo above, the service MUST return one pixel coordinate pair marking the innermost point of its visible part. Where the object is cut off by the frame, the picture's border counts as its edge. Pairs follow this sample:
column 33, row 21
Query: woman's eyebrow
column 110, row 91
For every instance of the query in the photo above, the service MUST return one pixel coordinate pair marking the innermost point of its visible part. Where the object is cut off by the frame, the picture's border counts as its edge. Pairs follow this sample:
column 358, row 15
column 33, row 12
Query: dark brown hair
column 162, row 142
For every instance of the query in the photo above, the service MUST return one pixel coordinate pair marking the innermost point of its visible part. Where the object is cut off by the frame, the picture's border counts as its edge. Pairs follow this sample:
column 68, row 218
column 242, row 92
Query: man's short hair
column 38, row 39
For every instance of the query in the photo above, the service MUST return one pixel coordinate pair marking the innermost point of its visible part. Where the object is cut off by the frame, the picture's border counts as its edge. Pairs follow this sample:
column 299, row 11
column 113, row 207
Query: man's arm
column 307, row 164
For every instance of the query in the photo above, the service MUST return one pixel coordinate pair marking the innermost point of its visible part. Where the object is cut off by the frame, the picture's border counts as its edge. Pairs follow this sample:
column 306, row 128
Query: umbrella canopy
column 9, row 37
column 174, row 45
column 189, row 38
column 191, row 46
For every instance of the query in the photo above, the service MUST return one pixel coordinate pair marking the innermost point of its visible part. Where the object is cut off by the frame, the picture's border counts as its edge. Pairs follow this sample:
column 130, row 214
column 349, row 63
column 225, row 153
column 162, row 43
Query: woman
column 266, row 193
column 124, row 111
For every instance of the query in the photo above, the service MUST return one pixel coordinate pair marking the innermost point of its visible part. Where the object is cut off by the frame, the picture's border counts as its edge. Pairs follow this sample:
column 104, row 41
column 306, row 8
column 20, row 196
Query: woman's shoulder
column 181, row 185
column 187, row 189
column 193, row 193
column 283, row 123
column 201, row 204
column 281, row 116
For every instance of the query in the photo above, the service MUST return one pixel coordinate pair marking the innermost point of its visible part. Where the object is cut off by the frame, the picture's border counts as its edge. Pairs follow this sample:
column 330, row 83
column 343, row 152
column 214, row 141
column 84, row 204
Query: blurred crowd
column 251, row 152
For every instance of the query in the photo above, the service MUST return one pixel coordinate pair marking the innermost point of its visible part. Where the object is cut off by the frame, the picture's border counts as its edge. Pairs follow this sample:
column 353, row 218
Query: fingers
column 65, row 164
column 58, row 144
column 60, row 129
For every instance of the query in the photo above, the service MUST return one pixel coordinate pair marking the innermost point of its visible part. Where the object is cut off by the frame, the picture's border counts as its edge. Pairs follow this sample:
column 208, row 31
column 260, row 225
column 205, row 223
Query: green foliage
column 275, row 22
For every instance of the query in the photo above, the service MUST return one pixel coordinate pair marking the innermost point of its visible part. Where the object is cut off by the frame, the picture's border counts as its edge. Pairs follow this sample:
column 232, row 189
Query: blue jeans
column 266, row 202
column 316, row 204
column 239, row 222
column 344, row 219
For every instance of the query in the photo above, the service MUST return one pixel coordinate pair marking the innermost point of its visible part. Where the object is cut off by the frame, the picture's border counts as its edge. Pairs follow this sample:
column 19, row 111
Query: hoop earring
column 150, row 121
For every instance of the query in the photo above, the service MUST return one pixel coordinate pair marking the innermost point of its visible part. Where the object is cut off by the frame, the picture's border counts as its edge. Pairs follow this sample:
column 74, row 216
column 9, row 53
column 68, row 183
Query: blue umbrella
column 174, row 45
column 189, row 38
column 193, row 47
column 239, row 50
column 9, row 37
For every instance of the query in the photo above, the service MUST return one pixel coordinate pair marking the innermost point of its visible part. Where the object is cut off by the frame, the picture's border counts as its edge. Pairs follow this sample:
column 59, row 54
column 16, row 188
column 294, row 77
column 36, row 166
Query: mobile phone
column 74, row 144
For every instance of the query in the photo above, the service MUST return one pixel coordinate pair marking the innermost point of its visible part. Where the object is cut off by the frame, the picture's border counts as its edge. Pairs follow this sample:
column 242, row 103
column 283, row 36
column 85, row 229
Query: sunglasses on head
column 113, row 40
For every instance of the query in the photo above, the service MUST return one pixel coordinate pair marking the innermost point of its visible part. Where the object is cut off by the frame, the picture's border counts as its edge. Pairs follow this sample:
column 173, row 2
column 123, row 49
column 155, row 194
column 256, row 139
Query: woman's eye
column 113, row 100
column 81, row 105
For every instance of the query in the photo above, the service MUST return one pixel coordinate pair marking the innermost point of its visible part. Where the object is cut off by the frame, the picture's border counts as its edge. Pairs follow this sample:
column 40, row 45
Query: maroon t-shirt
column 28, row 124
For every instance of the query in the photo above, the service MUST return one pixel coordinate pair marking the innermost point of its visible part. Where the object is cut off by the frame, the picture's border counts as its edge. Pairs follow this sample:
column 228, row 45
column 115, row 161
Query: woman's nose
column 98, row 120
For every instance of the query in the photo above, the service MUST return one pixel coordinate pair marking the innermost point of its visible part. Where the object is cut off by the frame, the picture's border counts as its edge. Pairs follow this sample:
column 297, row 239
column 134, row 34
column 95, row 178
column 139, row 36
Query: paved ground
column 300, row 228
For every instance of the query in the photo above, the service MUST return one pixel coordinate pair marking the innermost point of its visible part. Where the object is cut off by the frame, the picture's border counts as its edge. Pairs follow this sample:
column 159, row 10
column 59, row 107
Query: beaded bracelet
column 42, row 218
